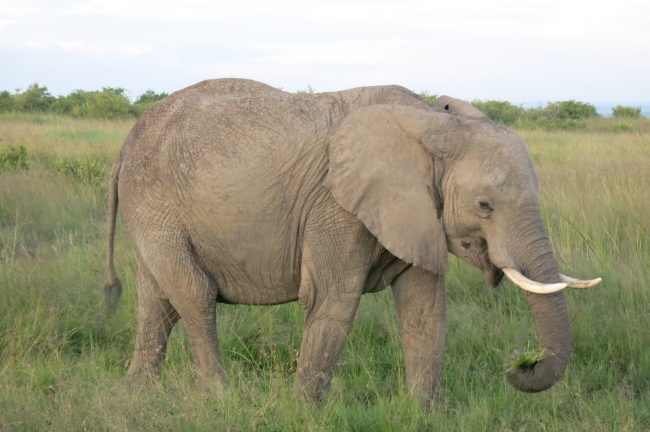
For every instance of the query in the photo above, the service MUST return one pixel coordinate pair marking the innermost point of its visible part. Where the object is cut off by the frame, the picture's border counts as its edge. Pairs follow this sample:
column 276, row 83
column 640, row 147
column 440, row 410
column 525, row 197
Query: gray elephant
column 237, row 192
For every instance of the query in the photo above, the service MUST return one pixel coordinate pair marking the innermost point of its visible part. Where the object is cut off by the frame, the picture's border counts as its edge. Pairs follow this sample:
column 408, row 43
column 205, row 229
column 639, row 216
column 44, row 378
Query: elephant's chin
column 493, row 275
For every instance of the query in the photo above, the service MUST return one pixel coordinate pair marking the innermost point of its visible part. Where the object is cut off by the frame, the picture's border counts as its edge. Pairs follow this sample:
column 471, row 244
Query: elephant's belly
column 253, row 294
column 253, row 285
column 248, row 233
column 249, row 267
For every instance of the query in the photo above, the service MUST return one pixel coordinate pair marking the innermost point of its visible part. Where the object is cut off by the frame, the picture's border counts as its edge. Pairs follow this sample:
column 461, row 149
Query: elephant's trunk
column 552, row 319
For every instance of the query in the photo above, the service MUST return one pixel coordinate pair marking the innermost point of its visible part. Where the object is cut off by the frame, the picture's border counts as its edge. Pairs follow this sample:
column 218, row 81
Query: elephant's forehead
column 487, row 172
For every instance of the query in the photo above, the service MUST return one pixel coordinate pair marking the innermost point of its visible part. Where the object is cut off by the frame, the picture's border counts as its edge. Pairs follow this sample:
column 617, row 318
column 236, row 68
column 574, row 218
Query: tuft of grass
column 84, row 171
column 525, row 359
column 13, row 158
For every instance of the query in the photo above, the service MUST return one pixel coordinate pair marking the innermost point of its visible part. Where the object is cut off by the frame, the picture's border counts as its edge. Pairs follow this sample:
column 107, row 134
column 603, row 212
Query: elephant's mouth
column 493, row 274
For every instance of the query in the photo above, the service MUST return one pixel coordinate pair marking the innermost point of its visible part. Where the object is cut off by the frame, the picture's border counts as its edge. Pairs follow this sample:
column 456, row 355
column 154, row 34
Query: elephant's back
column 227, row 124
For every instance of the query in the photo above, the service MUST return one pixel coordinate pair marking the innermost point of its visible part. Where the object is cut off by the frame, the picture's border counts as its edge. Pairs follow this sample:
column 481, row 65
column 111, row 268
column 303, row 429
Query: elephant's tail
column 113, row 287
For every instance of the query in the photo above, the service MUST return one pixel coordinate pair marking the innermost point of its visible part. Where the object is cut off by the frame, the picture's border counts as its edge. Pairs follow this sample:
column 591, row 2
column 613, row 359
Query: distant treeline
column 113, row 103
column 555, row 115
column 108, row 103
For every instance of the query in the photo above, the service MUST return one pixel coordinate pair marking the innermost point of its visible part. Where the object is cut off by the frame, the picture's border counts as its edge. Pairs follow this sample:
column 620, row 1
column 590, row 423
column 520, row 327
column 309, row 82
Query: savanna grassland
column 63, row 360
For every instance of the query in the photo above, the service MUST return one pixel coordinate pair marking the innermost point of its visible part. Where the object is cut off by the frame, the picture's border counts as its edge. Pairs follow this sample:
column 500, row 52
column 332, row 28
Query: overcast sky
column 520, row 51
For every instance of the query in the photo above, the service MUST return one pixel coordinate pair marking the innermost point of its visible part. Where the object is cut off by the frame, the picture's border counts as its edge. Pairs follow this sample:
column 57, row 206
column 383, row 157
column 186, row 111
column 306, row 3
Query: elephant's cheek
column 468, row 252
column 468, row 256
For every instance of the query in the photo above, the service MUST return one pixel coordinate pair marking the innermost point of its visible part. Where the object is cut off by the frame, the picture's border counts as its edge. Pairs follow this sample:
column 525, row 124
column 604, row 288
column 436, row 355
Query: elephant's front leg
column 333, row 272
column 421, row 300
column 325, row 331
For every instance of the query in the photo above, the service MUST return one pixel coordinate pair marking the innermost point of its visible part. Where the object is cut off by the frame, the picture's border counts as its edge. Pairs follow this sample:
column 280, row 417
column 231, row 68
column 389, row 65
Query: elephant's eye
column 485, row 205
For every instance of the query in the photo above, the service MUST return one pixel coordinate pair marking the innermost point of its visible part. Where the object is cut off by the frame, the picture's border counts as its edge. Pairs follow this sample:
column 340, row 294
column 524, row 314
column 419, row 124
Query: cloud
column 343, row 53
column 496, row 49
column 115, row 48
column 83, row 47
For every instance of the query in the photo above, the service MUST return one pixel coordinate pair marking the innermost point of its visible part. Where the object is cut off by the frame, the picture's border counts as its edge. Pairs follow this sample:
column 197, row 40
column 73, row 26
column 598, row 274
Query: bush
column 13, row 158
column 431, row 97
column 309, row 90
column 623, row 127
column 85, row 171
column 570, row 110
column 110, row 103
column 500, row 111
column 620, row 111
column 565, row 115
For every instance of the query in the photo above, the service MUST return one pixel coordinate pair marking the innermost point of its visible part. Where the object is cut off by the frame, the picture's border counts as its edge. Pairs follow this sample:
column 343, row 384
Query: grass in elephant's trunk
column 528, row 358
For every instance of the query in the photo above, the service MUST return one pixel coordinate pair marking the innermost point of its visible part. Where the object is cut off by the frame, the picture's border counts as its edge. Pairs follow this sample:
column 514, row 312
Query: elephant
column 236, row 192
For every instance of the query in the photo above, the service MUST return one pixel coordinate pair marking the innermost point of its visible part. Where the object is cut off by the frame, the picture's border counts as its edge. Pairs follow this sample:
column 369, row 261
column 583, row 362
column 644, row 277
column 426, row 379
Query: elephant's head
column 426, row 183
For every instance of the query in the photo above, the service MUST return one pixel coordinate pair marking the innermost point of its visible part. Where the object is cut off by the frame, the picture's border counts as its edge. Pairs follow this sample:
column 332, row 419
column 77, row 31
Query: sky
column 518, row 51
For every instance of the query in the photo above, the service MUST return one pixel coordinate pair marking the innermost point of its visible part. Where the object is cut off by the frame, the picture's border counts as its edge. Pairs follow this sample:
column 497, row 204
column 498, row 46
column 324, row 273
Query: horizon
column 526, row 104
column 603, row 108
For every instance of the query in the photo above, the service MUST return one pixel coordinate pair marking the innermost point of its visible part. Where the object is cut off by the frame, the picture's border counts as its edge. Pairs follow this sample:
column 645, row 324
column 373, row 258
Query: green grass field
column 63, row 361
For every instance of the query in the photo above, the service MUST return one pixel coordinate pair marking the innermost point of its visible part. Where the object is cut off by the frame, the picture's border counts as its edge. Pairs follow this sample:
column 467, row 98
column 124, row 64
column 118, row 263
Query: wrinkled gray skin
column 237, row 192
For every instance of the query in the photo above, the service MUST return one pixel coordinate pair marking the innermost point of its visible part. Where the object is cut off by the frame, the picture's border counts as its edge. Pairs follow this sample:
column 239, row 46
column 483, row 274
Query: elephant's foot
column 212, row 383
column 143, row 371
column 428, row 400
column 312, row 386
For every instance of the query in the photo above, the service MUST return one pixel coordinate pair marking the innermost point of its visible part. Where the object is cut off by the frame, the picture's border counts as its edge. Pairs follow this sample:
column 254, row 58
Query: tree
column 35, row 98
column 500, row 111
column 71, row 104
column 149, row 97
column 110, row 103
column 145, row 100
column 6, row 101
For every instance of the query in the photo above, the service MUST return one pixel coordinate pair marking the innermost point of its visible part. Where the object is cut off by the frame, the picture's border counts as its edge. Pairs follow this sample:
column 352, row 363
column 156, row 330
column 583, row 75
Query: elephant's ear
column 460, row 107
column 380, row 172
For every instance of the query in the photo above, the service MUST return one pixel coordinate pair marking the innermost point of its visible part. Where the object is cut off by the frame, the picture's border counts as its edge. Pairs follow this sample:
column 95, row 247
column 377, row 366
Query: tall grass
column 63, row 361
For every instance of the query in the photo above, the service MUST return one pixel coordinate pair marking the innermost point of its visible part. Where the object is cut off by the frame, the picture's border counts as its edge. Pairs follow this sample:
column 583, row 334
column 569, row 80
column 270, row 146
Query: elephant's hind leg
column 156, row 318
column 193, row 294
column 199, row 317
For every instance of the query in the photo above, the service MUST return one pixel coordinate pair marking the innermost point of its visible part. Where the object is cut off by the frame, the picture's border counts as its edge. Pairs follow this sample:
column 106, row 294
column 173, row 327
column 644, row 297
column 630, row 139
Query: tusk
column 528, row 285
column 577, row 283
